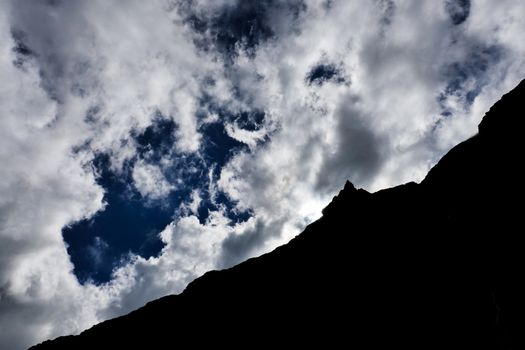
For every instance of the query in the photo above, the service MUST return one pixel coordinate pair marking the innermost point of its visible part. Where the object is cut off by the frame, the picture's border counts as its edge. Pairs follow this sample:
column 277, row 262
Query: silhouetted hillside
column 418, row 266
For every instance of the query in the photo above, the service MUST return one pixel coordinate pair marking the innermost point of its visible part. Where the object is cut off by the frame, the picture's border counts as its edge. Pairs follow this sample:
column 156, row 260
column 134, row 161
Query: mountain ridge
column 429, row 265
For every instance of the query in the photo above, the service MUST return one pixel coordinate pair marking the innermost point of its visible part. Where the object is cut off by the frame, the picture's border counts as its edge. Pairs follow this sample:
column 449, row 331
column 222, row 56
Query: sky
column 143, row 143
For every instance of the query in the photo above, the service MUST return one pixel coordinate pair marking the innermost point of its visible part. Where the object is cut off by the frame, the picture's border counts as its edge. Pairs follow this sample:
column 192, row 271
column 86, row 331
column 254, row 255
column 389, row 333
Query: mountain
column 432, row 265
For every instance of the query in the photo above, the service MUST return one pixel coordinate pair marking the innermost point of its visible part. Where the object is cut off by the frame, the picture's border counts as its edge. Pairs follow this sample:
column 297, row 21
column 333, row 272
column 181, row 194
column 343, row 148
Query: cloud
column 458, row 10
column 248, row 137
column 240, row 244
column 150, row 182
column 305, row 95
column 192, row 208
column 357, row 151
column 231, row 27
column 324, row 72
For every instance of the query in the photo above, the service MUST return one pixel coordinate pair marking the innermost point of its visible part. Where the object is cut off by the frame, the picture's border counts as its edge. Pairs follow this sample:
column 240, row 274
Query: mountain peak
column 507, row 115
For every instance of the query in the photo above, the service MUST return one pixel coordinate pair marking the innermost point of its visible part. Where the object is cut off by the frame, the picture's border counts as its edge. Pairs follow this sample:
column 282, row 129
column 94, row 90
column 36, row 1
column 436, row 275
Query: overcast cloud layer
column 371, row 91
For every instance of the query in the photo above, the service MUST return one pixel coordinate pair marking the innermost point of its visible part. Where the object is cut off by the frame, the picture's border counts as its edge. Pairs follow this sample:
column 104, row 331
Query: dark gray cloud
column 357, row 154
column 240, row 25
column 236, row 247
column 21, row 318
column 23, row 52
column 388, row 7
column 467, row 76
column 458, row 10
column 37, row 28
column 324, row 72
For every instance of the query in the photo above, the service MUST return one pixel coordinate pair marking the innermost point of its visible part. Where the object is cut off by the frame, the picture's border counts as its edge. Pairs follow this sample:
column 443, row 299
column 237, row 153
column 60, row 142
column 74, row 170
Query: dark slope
column 418, row 266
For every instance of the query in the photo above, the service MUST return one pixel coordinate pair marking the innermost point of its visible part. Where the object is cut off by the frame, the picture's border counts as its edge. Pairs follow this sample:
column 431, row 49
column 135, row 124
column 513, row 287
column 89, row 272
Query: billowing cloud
column 237, row 121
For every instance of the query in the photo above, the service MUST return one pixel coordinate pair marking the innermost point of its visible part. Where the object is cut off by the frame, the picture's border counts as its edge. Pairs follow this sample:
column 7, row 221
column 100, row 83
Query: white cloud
column 97, row 72
column 248, row 137
column 150, row 182
column 192, row 207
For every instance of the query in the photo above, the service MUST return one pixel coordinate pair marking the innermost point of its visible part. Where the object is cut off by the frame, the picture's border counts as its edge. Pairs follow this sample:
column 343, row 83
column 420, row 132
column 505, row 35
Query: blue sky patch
column 131, row 223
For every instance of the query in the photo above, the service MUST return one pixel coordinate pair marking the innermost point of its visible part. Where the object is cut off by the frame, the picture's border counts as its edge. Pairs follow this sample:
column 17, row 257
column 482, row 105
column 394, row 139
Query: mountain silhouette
column 437, row 264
